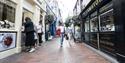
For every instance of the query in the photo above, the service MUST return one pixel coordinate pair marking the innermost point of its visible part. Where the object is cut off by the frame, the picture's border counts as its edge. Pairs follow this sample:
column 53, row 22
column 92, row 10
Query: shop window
column 7, row 15
column 87, row 30
column 107, row 21
column 87, row 26
column 94, row 24
column 107, row 28
column 94, row 29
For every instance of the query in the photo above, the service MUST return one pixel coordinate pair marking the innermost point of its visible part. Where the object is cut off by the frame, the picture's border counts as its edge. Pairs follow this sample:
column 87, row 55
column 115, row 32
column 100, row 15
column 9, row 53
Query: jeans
column 62, row 38
column 40, row 37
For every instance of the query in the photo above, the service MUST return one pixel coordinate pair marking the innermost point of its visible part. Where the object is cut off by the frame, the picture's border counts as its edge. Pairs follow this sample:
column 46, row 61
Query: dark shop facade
column 103, row 27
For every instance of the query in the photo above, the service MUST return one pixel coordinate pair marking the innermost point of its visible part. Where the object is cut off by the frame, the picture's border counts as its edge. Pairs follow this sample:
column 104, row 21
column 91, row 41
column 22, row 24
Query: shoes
column 27, row 49
column 39, row 44
column 32, row 50
column 61, row 46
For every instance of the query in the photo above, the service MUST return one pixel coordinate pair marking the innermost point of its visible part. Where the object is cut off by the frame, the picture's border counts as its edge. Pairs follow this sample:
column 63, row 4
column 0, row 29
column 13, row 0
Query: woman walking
column 29, row 30
column 62, row 33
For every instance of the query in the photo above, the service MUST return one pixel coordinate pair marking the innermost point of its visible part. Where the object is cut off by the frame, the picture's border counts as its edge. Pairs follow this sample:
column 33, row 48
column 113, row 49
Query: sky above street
column 66, row 7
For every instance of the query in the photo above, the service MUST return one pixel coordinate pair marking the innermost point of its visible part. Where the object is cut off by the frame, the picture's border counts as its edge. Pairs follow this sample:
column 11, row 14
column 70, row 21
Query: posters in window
column 7, row 41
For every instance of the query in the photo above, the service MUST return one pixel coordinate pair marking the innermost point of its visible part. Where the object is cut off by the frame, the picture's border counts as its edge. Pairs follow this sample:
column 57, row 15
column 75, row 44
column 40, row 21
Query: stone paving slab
column 51, row 52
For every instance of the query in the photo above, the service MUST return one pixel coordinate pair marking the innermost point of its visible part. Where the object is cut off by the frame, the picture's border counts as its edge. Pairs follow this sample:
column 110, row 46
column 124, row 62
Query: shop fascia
column 93, row 5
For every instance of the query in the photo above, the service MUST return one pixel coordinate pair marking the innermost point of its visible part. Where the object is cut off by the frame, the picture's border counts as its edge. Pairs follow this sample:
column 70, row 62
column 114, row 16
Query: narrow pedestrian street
column 51, row 52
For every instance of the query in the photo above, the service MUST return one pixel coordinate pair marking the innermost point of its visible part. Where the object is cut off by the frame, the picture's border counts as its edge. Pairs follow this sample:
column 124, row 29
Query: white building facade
column 14, row 12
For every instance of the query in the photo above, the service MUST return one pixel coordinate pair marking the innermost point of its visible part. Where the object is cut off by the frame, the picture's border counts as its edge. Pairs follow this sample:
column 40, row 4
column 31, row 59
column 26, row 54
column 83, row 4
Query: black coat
column 29, row 30
column 29, row 27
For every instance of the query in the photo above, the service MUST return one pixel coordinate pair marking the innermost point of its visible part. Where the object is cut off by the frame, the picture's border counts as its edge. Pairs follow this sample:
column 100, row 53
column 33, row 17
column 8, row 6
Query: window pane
column 94, row 24
column 7, row 15
column 107, row 21
column 87, row 26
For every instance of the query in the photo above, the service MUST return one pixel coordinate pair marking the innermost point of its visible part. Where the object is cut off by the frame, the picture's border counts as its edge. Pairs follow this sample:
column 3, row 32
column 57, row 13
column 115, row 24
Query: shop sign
column 94, row 4
column 7, row 40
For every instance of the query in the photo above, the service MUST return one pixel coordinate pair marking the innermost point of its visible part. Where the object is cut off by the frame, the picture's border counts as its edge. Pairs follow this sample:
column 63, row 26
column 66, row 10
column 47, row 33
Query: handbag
column 66, row 36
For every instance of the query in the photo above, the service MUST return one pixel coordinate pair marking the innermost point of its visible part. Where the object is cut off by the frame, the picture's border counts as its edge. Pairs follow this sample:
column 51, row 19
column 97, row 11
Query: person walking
column 62, row 33
column 67, row 35
column 29, row 30
column 40, row 32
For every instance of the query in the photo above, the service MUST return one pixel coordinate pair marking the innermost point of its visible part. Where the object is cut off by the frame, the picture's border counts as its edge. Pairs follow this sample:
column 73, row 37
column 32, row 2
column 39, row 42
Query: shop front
column 100, row 25
column 9, row 31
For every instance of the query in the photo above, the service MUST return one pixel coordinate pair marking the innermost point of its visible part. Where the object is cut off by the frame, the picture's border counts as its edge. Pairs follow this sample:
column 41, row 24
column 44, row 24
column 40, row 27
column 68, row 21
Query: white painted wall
column 36, row 16
column 43, row 14
column 28, row 6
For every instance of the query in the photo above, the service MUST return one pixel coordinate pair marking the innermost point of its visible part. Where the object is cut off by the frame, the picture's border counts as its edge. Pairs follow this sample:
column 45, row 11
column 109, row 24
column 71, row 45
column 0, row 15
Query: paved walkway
column 51, row 52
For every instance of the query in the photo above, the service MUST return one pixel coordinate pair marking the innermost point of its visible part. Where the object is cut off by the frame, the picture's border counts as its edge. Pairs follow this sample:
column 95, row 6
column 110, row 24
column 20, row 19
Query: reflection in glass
column 94, row 24
column 7, row 15
column 87, row 26
column 107, row 21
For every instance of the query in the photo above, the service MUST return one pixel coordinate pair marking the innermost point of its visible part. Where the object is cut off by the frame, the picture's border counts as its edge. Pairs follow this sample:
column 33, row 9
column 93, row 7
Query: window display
column 107, row 21
column 87, row 30
column 7, row 15
column 94, row 24
column 107, row 29
column 87, row 26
